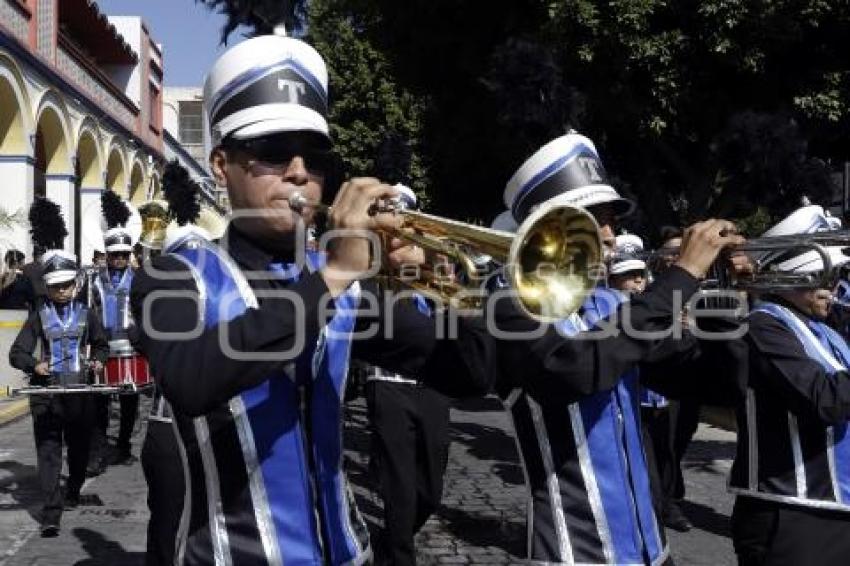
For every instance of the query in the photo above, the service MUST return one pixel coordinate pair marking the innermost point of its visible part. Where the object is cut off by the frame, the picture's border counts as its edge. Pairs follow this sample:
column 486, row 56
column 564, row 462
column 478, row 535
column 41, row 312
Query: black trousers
column 664, row 466
column 163, row 470
column 775, row 534
column 129, row 403
column 97, row 453
column 685, row 418
column 129, row 406
column 410, row 427
column 57, row 420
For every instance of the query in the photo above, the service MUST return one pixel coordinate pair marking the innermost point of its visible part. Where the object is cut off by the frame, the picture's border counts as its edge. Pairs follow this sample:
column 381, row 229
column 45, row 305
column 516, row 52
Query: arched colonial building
column 80, row 113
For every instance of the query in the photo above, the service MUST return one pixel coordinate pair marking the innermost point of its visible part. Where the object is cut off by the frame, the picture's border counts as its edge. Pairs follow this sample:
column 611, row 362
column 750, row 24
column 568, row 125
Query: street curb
column 12, row 410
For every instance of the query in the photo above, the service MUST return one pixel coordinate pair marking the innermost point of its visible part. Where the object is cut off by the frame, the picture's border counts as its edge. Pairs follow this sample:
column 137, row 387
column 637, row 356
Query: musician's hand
column 42, row 368
column 348, row 252
column 702, row 242
column 741, row 264
column 405, row 255
column 97, row 366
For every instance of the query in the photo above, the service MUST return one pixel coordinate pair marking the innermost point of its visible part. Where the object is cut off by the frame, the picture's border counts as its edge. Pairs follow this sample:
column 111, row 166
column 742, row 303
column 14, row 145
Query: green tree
column 698, row 108
column 367, row 104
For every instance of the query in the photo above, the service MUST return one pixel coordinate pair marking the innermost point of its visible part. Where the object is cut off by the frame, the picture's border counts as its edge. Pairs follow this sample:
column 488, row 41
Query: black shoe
column 49, row 530
column 675, row 519
column 72, row 500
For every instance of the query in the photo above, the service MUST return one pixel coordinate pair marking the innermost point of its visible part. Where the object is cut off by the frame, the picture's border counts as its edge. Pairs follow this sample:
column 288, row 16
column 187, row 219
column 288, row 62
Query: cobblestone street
column 481, row 521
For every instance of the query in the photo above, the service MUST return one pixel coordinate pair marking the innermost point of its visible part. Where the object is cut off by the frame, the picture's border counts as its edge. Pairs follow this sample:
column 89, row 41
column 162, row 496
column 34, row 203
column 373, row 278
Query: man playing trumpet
column 574, row 402
column 250, row 342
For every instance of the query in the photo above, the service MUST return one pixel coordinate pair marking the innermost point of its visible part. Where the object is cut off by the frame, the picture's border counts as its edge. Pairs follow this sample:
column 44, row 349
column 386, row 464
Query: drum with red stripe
column 126, row 368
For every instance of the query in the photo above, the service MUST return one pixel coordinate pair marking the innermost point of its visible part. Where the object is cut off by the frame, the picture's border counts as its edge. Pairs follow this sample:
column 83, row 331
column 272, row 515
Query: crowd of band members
column 243, row 456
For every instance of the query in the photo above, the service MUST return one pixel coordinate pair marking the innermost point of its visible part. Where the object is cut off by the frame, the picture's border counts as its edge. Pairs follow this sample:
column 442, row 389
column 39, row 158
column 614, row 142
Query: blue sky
column 188, row 32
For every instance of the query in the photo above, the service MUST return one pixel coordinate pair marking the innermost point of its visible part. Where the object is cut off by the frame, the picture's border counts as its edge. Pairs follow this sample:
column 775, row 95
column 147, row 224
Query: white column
column 91, row 233
column 16, row 174
column 60, row 189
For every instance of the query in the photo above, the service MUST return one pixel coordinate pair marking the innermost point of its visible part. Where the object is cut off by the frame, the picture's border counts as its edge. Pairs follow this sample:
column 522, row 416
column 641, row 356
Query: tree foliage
column 367, row 103
column 717, row 107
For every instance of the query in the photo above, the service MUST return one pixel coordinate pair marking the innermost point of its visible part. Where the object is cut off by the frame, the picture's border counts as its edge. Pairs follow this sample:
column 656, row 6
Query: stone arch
column 89, row 160
column 15, row 117
column 138, row 185
column 116, row 175
column 53, row 135
column 16, row 137
column 156, row 185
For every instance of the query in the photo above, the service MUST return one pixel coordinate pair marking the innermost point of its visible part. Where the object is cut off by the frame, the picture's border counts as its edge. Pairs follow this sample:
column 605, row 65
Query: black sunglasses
column 279, row 151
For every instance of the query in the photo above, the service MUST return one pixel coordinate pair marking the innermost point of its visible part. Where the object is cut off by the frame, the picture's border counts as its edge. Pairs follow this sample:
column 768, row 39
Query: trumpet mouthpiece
column 297, row 202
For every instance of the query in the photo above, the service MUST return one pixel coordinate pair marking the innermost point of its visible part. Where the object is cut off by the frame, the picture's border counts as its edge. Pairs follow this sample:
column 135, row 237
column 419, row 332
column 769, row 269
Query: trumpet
column 767, row 253
column 154, row 220
column 552, row 262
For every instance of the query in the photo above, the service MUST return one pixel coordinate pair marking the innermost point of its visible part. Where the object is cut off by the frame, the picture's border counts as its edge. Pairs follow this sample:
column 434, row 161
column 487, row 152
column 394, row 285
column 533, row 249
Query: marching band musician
column 628, row 273
column 409, row 425
column 111, row 295
column 64, row 330
column 161, row 460
column 791, row 472
column 574, row 403
column 626, row 269
column 240, row 339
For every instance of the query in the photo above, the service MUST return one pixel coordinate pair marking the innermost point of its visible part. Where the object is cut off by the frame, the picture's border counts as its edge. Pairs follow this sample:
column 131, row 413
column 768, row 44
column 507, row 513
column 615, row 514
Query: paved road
column 481, row 521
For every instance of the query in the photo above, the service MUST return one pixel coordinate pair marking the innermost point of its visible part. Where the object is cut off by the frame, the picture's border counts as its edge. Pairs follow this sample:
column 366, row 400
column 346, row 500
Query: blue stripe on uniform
column 628, row 397
column 330, row 373
column 604, row 440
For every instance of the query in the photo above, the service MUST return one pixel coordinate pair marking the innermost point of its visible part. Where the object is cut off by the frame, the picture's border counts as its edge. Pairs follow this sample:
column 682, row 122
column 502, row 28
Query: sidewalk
column 12, row 408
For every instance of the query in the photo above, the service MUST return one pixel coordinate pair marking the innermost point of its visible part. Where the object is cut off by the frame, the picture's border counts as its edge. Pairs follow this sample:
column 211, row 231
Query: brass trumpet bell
column 555, row 261
column 154, row 221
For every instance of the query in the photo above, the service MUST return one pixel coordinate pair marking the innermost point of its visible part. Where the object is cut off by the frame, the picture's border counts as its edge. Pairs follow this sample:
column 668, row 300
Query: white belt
column 377, row 374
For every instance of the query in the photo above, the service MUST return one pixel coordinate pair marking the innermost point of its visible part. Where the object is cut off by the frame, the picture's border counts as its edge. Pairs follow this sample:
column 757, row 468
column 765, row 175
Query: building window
column 191, row 123
column 154, row 106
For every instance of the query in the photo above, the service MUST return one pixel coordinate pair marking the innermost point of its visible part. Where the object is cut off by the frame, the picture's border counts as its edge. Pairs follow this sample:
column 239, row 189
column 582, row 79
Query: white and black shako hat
column 805, row 220
column 626, row 255
column 406, row 197
column 504, row 222
column 48, row 231
column 117, row 237
column 267, row 85
column 567, row 168
column 58, row 266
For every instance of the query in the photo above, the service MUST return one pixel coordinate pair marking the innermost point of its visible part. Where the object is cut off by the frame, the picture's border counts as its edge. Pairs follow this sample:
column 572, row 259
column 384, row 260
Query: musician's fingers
column 742, row 264
column 353, row 207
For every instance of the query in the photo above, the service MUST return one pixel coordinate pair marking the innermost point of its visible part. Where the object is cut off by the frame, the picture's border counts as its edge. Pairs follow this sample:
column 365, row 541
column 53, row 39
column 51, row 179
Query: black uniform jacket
column 781, row 370
column 564, row 370
column 196, row 376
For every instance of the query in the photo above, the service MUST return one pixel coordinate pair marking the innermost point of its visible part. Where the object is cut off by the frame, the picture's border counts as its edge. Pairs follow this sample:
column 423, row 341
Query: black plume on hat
column 260, row 15
column 392, row 163
column 115, row 210
column 47, row 227
column 181, row 192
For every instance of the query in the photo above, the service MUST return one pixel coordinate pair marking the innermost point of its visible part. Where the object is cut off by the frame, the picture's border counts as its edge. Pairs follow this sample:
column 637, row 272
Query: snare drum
column 126, row 368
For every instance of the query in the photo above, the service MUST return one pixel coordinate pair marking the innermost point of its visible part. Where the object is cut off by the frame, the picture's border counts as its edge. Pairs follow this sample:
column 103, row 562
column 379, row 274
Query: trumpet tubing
column 552, row 262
